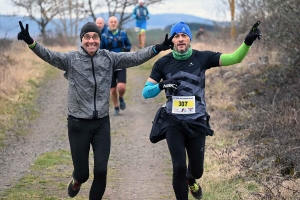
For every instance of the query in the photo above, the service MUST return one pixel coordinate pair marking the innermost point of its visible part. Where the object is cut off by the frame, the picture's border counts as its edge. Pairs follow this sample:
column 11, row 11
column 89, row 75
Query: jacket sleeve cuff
column 31, row 46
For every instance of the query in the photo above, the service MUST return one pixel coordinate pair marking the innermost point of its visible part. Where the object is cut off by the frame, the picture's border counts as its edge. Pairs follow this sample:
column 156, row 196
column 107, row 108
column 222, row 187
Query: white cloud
column 7, row 8
column 211, row 9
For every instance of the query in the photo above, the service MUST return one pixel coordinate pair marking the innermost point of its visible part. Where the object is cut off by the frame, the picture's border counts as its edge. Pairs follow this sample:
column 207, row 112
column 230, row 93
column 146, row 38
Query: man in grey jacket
column 89, row 73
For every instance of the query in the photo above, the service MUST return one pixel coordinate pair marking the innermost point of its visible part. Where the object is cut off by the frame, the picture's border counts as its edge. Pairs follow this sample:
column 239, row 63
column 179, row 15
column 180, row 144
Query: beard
column 181, row 50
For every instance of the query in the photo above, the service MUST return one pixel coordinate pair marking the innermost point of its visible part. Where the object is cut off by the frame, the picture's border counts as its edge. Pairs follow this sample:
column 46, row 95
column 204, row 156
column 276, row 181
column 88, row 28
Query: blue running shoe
column 117, row 110
column 122, row 103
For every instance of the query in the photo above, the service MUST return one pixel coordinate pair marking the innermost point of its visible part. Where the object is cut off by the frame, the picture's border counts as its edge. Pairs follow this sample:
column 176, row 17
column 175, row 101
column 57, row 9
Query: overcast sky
column 210, row 9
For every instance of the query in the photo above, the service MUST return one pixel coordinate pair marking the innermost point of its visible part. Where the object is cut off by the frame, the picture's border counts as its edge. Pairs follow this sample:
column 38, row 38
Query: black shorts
column 119, row 76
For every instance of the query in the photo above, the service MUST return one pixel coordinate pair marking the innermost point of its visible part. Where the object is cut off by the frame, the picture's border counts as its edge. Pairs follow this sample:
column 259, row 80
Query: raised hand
column 166, row 44
column 24, row 34
column 253, row 34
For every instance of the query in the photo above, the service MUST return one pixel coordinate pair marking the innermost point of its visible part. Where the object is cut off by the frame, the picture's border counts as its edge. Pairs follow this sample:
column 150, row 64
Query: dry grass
column 18, row 65
column 254, row 114
column 21, row 73
column 16, row 69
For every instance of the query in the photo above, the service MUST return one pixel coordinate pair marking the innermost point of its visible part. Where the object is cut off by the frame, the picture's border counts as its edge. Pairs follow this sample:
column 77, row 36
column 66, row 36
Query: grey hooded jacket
column 90, row 77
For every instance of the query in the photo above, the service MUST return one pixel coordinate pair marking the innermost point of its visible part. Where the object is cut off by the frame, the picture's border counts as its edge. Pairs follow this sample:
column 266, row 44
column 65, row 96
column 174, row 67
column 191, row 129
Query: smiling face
column 91, row 42
column 113, row 23
column 181, row 42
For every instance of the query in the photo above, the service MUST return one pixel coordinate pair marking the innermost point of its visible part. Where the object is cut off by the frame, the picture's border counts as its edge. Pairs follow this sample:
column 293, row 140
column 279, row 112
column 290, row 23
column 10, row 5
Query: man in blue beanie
column 183, row 78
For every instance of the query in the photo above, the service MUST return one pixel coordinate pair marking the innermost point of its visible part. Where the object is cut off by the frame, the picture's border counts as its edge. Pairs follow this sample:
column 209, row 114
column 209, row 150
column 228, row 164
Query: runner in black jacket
column 183, row 77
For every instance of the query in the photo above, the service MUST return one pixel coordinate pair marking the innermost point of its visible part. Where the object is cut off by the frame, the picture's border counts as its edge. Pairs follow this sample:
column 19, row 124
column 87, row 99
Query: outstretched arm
column 241, row 52
column 130, row 59
column 236, row 57
column 56, row 59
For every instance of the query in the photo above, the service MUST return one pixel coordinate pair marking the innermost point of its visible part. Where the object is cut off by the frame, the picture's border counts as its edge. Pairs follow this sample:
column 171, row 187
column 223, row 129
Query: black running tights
column 83, row 133
column 179, row 144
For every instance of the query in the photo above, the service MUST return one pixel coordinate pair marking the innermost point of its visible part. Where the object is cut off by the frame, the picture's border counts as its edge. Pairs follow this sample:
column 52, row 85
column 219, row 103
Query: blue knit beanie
column 181, row 27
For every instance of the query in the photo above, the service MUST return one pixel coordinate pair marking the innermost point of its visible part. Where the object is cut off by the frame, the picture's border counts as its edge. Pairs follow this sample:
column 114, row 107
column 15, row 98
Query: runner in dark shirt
column 183, row 78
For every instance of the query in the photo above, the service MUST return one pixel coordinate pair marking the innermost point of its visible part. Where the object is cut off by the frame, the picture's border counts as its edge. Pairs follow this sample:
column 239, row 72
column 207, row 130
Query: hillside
column 9, row 26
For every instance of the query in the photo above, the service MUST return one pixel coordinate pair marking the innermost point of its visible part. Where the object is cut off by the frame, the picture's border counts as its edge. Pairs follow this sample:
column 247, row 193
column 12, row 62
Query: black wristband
column 248, row 43
column 160, row 85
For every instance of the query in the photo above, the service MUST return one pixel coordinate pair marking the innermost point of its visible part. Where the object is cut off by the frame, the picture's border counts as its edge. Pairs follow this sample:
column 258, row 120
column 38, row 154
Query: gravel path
column 144, row 168
column 47, row 133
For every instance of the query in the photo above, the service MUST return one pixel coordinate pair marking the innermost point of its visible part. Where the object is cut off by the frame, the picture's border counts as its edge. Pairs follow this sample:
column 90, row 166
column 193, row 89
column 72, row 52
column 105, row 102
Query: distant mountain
column 160, row 21
column 9, row 25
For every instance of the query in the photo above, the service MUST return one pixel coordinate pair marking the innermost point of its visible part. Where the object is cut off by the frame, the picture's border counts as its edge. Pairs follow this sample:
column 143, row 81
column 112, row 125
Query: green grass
column 47, row 175
column 220, row 190
column 49, row 160
column 48, row 178
column 233, row 189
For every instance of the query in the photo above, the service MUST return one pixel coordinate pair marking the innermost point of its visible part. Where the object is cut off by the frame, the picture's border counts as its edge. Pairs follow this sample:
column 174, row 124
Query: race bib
column 183, row 104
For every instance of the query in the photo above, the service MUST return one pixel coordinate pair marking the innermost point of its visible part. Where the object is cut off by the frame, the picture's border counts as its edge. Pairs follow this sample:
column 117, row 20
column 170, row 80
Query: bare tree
column 280, row 25
column 249, row 12
column 232, row 13
column 41, row 11
column 91, row 8
column 232, row 9
column 70, row 17
column 118, row 8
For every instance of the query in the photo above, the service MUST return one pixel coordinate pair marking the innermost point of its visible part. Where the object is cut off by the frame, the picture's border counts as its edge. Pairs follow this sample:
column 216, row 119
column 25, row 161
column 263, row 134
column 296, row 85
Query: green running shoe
column 196, row 191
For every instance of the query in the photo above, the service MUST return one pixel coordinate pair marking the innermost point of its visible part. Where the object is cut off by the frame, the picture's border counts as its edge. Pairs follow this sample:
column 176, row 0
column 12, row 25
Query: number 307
column 182, row 103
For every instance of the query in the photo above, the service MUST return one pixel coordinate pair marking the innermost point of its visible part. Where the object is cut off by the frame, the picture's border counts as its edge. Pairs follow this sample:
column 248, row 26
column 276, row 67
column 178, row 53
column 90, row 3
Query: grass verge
column 18, row 111
column 48, row 179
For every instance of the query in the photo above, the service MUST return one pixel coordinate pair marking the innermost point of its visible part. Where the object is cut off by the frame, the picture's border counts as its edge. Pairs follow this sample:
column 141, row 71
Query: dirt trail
column 47, row 133
column 141, row 170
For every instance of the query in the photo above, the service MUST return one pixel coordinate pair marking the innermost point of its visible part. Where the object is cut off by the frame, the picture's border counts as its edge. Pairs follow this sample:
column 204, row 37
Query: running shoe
column 73, row 188
column 196, row 191
column 116, row 113
column 122, row 103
